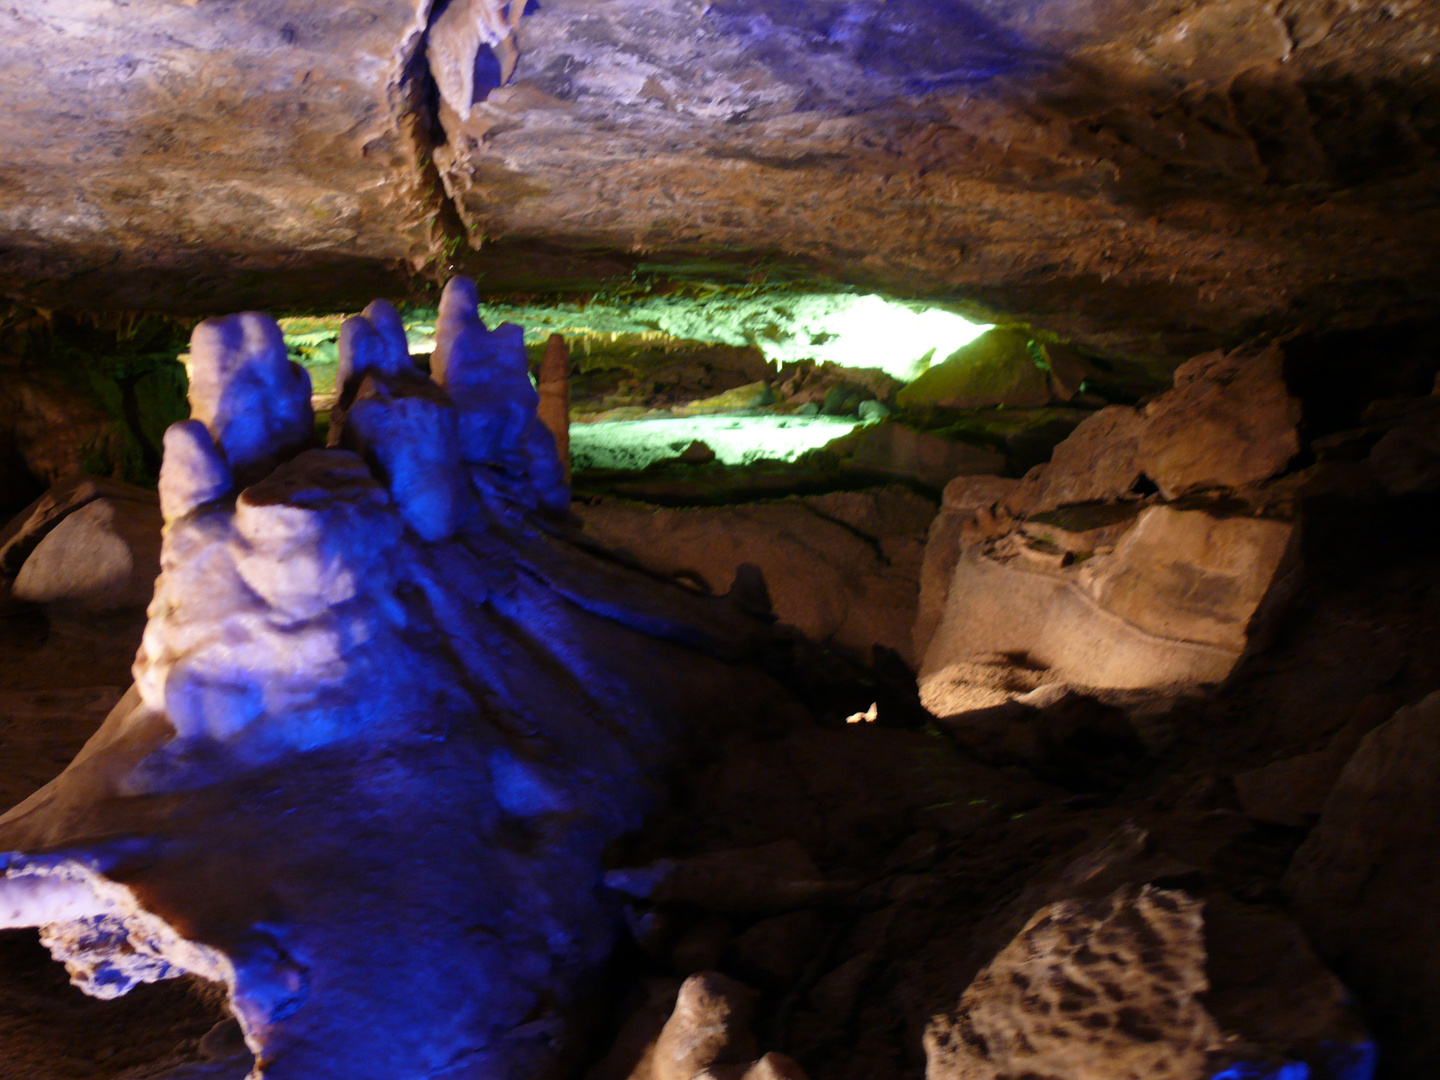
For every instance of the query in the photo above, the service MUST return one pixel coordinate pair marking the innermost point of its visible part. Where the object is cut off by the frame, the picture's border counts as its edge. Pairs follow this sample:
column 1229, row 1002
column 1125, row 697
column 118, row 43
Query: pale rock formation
column 1099, row 990
column 1073, row 578
column 708, row 1036
column 1173, row 605
column 102, row 557
column 352, row 732
column 841, row 569
column 25, row 530
column 968, row 501
column 486, row 374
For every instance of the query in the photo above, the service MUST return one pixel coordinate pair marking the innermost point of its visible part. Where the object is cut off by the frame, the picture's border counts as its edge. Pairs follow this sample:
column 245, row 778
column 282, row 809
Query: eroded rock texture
column 372, row 754
column 1120, row 988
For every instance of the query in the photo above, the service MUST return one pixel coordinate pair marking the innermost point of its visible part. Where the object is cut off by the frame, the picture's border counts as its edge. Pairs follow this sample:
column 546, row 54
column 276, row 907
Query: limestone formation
column 102, row 557
column 708, row 1037
column 1150, row 984
column 843, row 579
column 1173, row 605
column 1356, row 879
column 1075, row 578
column 26, row 529
column 997, row 368
column 352, row 730
column 1228, row 422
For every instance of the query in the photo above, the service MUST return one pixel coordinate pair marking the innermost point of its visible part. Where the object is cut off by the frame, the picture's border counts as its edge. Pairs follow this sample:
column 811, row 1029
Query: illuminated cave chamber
column 834, row 687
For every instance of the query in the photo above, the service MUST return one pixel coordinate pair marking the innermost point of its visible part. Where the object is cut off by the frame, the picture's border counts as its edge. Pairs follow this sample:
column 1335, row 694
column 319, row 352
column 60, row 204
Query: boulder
column 1228, row 422
column 1175, row 604
column 1098, row 461
column 1406, row 459
column 1364, row 883
column 997, row 368
column 1150, row 984
column 102, row 557
column 31, row 525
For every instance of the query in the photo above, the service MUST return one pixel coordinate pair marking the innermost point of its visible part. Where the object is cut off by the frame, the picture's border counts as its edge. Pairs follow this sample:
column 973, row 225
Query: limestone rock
column 1406, row 459
column 996, row 368
column 1228, row 422
column 708, row 1036
column 1098, row 461
column 1098, row 990
column 965, row 500
column 1150, row 983
column 102, row 557
column 26, row 529
column 1174, row 604
column 1365, row 880
column 245, row 389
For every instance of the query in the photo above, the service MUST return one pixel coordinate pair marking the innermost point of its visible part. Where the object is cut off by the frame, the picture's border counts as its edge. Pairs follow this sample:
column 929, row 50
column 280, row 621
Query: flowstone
column 386, row 717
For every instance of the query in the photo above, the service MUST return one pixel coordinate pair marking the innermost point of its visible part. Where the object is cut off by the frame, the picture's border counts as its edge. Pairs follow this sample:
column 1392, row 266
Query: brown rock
column 1147, row 983
column 1364, row 882
column 554, row 390
column 1098, row 461
column 897, row 450
column 824, row 577
column 27, row 528
column 710, row 1026
column 1228, row 422
column 963, row 499
column 103, row 557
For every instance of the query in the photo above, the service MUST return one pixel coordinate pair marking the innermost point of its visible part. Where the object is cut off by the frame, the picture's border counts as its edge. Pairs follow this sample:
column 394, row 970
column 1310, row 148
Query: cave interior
column 854, row 539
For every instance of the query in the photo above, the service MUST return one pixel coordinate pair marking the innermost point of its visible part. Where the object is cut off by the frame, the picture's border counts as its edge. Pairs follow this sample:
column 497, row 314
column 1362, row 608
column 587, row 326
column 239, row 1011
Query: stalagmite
column 385, row 720
column 555, row 396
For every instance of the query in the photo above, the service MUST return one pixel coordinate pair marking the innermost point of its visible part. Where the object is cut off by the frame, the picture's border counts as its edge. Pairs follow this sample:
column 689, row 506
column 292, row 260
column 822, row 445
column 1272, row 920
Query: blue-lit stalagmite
column 371, row 756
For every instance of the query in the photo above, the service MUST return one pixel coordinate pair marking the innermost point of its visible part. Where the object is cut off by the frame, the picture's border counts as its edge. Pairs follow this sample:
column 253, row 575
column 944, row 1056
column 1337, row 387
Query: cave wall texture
column 1145, row 177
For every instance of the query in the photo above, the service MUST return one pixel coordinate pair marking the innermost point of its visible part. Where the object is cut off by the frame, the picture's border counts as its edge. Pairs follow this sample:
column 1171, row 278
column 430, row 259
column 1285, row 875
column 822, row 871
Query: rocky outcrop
column 1150, row 983
column 1228, row 423
column 102, row 557
column 1074, row 577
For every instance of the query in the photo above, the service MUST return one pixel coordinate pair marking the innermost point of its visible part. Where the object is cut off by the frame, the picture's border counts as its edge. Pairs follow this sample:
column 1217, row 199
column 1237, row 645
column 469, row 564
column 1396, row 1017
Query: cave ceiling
column 1146, row 177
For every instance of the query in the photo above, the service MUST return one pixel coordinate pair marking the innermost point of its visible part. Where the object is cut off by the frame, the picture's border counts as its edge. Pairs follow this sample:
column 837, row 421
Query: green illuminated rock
column 996, row 368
